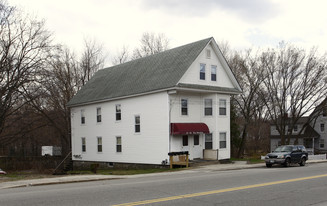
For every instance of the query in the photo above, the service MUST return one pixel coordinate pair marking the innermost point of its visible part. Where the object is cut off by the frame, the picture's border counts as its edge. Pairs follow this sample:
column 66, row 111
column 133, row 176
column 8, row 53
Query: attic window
column 208, row 53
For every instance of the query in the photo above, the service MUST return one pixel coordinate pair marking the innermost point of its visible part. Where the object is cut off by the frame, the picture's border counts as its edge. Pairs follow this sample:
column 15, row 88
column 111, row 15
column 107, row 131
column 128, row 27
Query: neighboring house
column 306, row 136
column 314, row 135
column 320, row 126
column 139, row 111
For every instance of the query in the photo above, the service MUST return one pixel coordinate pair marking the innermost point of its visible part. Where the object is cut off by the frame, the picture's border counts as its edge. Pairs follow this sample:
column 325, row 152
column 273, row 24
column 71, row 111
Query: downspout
column 216, row 125
column 169, row 119
column 170, row 103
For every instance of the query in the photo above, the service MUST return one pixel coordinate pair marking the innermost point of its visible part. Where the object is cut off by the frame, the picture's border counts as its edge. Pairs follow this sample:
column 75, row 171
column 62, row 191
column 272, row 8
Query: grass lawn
column 23, row 175
column 31, row 174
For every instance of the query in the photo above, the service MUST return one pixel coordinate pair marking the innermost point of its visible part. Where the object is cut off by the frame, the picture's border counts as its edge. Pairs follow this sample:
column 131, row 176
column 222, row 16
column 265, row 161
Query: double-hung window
column 208, row 141
column 99, row 114
column 99, row 140
column 222, row 107
column 118, row 112
column 222, row 140
column 322, row 127
column 208, row 107
column 202, row 71
column 184, row 105
column 83, row 144
column 137, row 124
column 213, row 73
column 82, row 116
column 321, row 143
column 118, row 144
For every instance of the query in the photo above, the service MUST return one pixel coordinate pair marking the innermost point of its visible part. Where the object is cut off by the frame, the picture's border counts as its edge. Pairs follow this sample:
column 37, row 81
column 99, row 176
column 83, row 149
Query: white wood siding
column 151, row 145
column 216, row 122
column 192, row 76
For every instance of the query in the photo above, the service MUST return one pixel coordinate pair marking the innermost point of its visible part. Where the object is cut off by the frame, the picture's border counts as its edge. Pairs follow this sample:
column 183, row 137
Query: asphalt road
column 259, row 186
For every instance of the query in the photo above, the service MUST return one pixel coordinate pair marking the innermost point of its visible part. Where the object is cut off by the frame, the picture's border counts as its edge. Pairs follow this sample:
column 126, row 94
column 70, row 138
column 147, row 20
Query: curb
column 52, row 181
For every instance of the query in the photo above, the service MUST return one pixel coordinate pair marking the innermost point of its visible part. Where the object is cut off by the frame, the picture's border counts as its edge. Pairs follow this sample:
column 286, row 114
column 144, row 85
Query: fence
column 317, row 157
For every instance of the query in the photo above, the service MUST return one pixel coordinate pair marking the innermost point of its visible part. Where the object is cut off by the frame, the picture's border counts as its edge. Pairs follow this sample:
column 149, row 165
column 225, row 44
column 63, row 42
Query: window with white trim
column 213, row 73
column 99, row 114
column 208, row 107
column 118, row 144
column 184, row 106
column 322, row 127
column 99, row 142
column 118, row 112
column 137, row 124
column 222, row 140
column 202, row 71
column 222, row 107
column 321, row 143
column 82, row 116
column 83, row 144
column 208, row 141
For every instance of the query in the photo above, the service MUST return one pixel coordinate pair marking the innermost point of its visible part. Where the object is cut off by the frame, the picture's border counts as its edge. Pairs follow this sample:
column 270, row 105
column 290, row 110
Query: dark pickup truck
column 286, row 155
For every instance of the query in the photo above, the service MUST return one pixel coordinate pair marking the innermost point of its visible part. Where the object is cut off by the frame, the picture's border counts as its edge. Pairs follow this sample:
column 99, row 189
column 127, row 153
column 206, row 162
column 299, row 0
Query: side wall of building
column 321, row 127
column 149, row 146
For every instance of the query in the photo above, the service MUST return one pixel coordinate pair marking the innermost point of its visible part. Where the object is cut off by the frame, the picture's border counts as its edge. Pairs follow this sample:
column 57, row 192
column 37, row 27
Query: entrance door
column 197, row 148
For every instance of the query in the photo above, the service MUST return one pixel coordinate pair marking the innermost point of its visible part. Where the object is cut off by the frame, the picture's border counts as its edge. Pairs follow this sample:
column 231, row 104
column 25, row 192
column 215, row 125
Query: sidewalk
column 85, row 178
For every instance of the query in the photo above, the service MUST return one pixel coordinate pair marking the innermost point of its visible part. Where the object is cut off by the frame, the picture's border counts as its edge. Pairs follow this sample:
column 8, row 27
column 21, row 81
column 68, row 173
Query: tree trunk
column 241, row 148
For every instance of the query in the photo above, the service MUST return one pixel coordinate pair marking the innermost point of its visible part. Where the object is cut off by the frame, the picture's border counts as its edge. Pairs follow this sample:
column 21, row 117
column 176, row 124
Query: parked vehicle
column 286, row 155
column 2, row 172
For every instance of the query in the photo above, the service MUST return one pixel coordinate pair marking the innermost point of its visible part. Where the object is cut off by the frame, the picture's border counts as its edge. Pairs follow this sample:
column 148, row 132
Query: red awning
column 188, row 128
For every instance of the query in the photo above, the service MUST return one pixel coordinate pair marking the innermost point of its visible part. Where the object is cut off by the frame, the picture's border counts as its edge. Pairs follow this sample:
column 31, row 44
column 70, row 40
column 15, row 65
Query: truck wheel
column 287, row 162
column 302, row 163
column 268, row 165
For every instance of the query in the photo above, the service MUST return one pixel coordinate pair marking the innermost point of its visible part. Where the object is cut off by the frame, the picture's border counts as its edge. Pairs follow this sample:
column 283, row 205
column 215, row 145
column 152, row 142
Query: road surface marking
column 218, row 191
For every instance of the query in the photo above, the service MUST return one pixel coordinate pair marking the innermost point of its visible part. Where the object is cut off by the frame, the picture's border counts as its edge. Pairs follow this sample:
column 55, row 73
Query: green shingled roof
column 151, row 73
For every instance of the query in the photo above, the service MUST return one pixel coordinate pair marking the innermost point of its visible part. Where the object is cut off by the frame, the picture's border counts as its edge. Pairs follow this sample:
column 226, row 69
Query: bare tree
column 249, row 73
column 91, row 61
column 295, row 83
column 24, row 48
column 62, row 79
column 225, row 49
column 122, row 56
column 151, row 44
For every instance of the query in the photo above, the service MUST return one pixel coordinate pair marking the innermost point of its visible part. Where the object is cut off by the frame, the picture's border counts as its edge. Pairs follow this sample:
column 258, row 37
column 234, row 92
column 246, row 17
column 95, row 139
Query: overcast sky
column 243, row 23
